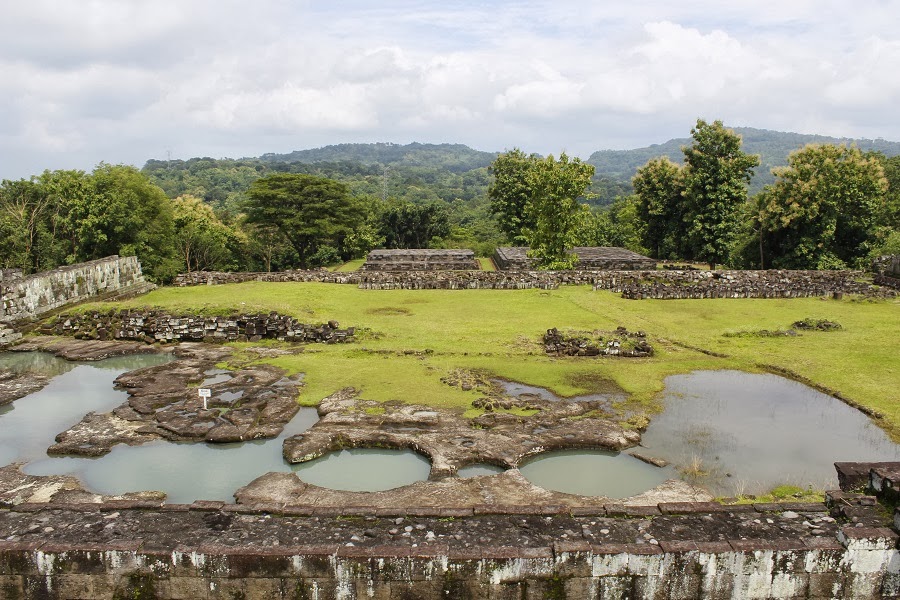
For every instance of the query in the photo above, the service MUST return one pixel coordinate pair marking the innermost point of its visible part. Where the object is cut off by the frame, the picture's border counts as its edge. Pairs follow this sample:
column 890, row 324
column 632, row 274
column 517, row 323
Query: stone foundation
column 421, row 260
column 23, row 298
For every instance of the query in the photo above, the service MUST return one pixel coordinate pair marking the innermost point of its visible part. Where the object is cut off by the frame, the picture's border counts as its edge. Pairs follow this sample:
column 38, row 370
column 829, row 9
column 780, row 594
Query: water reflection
column 593, row 473
column 737, row 432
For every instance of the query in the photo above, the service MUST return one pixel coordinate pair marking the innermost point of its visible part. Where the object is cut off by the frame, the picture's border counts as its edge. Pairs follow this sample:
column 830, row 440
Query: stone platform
column 420, row 260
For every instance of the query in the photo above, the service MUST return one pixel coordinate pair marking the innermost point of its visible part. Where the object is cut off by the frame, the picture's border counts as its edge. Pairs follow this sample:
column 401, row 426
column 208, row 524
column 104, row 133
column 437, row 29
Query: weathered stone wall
column 887, row 270
column 418, row 259
column 213, row 551
column 631, row 284
column 590, row 258
column 28, row 297
column 151, row 326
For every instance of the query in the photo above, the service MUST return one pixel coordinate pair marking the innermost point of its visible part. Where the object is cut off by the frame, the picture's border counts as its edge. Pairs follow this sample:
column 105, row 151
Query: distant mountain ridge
column 614, row 168
column 772, row 146
column 453, row 157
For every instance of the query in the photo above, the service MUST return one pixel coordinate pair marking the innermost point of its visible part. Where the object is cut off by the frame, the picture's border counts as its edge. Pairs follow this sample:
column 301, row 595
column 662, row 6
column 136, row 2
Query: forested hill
column 453, row 157
column 772, row 146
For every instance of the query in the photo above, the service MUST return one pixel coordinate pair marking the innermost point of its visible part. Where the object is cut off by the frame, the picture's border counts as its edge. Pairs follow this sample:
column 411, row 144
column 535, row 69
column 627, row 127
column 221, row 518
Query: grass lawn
column 351, row 265
column 408, row 340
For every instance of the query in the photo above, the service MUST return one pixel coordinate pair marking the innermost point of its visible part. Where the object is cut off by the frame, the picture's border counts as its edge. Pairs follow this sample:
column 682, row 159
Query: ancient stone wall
column 658, row 284
column 213, row 551
column 151, row 326
column 27, row 297
column 590, row 258
column 421, row 260
column 887, row 270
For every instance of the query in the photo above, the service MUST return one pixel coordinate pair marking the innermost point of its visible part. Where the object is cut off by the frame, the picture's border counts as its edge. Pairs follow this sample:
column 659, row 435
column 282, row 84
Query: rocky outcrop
column 620, row 342
column 251, row 402
column 452, row 441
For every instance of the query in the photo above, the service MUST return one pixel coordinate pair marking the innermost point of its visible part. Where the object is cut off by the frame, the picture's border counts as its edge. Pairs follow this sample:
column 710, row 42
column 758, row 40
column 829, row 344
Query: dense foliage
column 196, row 214
column 64, row 217
column 693, row 211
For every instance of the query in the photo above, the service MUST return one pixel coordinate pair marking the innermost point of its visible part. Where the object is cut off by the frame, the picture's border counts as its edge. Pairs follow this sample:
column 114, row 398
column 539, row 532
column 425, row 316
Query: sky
column 124, row 81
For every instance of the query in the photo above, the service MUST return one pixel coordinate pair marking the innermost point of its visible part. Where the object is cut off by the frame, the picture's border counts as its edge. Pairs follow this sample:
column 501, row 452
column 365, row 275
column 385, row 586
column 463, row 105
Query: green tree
column 822, row 209
column 510, row 192
column 716, row 175
column 407, row 225
column 659, row 186
column 309, row 211
column 554, row 210
column 127, row 215
column 203, row 241
column 24, row 209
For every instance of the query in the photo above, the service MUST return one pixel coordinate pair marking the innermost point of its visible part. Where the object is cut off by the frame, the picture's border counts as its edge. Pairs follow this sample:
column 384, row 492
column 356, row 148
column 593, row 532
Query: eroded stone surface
column 18, row 488
column 509, row 488
column 18, row 385
column 450, row 440
column 72, row 349
column 254, row 401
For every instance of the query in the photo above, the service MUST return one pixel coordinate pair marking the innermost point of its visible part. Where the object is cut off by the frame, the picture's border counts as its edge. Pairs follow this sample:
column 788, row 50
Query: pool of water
column 750, row 432
column 593, row 473
column 29, row 425
column 184, row 471
column 365, row 469
column 514, row 388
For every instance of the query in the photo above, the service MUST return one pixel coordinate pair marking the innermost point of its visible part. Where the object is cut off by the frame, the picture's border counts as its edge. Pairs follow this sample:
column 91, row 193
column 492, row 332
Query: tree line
column 288, row 220
column 832, row 206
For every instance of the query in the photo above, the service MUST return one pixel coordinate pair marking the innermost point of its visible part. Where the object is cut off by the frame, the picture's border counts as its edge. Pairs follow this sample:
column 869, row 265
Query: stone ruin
column 598, row 258
column 418, row 259
column 886, row 270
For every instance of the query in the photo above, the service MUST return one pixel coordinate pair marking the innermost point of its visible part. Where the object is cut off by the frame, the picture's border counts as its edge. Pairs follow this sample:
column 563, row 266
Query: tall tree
column 24, row 209
column 553, row 209
column 659, row 186
column 407, row 225
column 128, row 215
column 203, row 241
column 716, row 175
column 510, row 192
column 309, row 211
column 822, row 210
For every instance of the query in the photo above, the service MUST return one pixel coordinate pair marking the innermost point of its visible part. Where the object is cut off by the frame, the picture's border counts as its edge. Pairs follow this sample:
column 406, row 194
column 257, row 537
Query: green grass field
column 409, row 339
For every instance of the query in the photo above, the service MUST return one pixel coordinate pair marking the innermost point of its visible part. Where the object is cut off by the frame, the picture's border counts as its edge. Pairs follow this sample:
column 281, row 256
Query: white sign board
column 204, row 393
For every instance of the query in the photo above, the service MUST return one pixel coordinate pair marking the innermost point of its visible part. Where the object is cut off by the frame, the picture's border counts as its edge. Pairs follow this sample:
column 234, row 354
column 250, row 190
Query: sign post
column 205, row 393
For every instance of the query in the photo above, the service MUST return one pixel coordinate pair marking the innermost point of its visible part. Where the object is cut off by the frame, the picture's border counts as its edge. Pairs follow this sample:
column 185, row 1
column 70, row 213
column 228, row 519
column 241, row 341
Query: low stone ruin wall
column 590, row 258
column 676, row 285
column 631, row 284
column 150, row 327
column 887, row 270
column 28, row 297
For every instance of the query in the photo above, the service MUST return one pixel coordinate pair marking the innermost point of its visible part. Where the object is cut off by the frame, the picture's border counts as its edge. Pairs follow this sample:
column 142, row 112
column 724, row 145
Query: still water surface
column 185, row 471
column 751, row 432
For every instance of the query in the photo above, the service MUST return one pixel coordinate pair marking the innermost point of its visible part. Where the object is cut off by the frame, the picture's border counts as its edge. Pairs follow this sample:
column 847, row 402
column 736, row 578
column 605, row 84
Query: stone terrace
column 596, row 258
column 420, row 260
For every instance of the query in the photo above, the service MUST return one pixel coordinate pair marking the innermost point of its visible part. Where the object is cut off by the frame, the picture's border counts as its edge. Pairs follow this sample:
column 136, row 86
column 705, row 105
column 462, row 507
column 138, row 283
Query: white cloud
column 124, row 80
